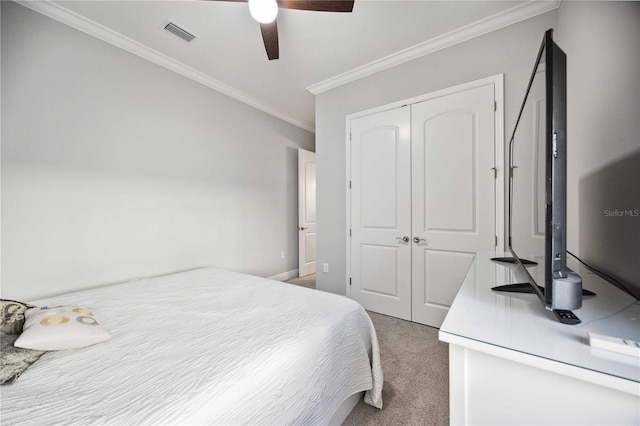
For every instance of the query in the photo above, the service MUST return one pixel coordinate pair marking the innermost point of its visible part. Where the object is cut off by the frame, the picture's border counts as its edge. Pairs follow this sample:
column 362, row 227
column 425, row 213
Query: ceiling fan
column 265, row 12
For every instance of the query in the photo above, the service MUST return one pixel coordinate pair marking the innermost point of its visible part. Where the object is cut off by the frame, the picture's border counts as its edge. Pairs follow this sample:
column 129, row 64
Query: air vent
column 179, row 32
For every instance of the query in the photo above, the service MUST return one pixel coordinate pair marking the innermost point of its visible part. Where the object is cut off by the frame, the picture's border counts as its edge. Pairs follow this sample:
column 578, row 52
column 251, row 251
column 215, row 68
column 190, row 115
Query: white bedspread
column 204, row 347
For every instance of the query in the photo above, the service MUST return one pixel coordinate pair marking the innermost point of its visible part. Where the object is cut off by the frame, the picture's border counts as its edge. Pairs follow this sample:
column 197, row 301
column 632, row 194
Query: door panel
column 380, row 212
column 453, row 202
column 378, row 171
column 310, row 248
column 310, row 190
column 443, row 272
column 306, row 212
column 449, row 145
column 378, row 270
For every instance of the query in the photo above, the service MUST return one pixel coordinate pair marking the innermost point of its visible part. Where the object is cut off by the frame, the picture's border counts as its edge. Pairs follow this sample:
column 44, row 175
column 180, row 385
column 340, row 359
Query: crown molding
column 476, row 29
column 79, row 22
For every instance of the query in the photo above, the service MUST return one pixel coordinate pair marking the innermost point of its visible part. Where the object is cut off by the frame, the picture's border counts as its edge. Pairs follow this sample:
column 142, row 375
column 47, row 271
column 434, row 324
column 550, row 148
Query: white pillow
column 60, row 327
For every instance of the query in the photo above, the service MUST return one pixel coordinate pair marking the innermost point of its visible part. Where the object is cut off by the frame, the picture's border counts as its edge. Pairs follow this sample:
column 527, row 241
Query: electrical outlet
column 325, row 267
column 282, row 255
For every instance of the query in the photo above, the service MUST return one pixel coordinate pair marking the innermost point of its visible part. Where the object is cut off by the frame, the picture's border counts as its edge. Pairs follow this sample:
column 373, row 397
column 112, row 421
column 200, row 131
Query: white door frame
column 498, row 82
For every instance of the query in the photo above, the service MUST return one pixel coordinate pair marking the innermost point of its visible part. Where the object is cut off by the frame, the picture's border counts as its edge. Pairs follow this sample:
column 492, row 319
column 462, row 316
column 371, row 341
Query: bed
column 206, row 346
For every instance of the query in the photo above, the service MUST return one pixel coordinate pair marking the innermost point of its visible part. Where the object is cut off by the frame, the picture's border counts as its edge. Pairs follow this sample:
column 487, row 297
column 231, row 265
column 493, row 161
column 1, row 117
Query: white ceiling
column 314, row 46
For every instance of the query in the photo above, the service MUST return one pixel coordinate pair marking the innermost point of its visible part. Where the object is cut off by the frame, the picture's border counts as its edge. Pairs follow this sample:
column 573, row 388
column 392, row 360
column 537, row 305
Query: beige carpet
column 416, row 373
column 416, row 376
column 308, row 281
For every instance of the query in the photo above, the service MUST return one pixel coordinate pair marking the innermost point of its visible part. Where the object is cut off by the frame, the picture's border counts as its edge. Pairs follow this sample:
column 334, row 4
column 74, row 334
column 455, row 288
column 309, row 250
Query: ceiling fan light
column 263, row 11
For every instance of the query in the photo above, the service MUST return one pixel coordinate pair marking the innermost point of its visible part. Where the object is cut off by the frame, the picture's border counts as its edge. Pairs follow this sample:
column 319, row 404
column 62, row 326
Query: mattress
column 207, row 346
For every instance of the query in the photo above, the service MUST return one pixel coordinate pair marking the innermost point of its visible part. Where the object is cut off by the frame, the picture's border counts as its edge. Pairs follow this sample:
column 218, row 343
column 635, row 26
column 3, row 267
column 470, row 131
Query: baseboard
column 285, row 275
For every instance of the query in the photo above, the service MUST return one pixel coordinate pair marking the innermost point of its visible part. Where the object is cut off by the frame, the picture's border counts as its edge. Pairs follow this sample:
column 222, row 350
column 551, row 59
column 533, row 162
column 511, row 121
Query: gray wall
column 115, row 168
column 602, row 43
column 510, row 51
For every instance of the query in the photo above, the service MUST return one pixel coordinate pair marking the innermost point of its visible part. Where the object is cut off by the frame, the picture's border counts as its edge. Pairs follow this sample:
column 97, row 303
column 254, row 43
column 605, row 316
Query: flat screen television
column 537, row 189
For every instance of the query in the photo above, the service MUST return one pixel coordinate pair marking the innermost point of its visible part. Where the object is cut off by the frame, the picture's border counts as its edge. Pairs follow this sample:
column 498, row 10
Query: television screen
column 527, row 174
column 537, row 185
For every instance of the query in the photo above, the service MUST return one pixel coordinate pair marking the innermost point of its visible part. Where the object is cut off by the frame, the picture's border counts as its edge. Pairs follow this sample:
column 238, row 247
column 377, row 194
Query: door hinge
column 349, row 232
column 495, row 172
column 495, row 106
column 350, row 136
column 349, row 280
column 496, row 244
column 349, row 184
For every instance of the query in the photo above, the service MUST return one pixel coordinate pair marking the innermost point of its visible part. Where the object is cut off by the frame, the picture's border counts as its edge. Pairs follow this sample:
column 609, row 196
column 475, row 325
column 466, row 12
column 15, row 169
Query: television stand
column 511, row 350
column 516, row 288
column 526, row 288
column 513, row 260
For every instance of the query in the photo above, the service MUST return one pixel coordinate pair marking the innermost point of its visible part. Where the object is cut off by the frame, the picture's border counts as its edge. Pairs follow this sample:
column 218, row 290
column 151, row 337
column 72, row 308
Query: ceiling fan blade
column 270, row 39
column 318, row 5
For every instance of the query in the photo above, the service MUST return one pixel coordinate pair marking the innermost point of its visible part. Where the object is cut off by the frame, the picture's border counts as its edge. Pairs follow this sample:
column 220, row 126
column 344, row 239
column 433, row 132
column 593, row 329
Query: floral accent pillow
column 14, row 361
column 12, row 316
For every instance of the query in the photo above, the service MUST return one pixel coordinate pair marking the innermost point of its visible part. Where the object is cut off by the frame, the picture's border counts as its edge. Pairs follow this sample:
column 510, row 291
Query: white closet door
column 306, row 212
column 453, row 197
column 381, row 212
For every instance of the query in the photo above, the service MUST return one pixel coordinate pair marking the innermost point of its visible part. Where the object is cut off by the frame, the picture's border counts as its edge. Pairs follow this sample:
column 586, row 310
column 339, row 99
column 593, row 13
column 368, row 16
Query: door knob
column 405, row 239
column 417, row 240
column 302, row 228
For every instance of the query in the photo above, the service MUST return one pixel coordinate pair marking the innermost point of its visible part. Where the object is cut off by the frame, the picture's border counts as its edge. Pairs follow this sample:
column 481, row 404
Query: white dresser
column 511, row 362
